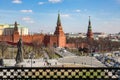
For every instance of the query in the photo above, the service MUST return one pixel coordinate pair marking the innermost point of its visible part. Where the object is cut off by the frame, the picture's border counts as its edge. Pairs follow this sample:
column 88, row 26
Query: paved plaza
column 80, row 61
column 83, row 60
column 68, row 59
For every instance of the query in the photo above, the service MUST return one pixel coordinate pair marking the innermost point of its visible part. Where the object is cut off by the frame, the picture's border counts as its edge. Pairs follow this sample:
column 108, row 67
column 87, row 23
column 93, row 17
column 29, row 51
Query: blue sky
column 41, row 15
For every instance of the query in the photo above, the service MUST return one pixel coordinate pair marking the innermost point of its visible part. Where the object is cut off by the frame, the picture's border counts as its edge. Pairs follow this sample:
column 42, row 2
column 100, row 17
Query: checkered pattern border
column 59, row 72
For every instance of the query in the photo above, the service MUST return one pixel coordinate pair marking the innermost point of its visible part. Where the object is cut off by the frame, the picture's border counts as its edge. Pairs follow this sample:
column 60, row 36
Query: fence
column 59, row 72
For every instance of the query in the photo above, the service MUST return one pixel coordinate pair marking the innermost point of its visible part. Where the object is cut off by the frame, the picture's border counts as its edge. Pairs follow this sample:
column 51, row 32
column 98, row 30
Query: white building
column 8, row 29
column 75, row 35
column 98, row 35
column 2, row 27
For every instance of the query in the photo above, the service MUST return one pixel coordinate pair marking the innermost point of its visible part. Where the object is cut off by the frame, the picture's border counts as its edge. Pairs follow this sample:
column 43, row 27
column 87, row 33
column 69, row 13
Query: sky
column 41, row 15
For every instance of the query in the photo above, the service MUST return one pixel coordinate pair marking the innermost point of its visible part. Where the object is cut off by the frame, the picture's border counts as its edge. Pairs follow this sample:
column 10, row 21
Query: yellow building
column 2, row 27
column 7, row 29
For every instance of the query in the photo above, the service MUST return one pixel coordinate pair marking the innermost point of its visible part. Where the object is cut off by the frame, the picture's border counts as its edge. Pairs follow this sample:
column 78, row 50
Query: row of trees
column 101, row 45
column 6, row 49
column 3, row 48
column 36, row 48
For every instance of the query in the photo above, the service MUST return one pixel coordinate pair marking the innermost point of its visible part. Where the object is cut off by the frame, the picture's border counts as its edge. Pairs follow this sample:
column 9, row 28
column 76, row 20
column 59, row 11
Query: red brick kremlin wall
column 58, row 39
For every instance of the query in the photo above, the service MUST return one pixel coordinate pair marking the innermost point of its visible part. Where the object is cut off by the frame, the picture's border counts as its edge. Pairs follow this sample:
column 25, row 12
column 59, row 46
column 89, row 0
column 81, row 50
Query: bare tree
column 27, row 49
column 36, row 44
column 3, row 48
column 101, row 45
column 37, row 47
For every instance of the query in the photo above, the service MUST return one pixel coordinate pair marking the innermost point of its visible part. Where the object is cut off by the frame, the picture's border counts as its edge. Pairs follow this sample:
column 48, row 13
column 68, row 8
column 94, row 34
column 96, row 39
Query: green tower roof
column 58, row 20
column 89, row 25
column 15, row 26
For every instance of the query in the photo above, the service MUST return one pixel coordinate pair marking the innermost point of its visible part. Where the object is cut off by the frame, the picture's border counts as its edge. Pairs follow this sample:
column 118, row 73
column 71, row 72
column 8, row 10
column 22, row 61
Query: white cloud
column 26, row 11
column 17, row 1
column 30, row 21
column 65, row 15
column 27, row 20
column 41, row 3
column 78, row 10
column 55, row 1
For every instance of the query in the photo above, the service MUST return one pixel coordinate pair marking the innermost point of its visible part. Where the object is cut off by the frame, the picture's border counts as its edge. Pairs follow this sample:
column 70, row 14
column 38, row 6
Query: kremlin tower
column 89, row 32
column 58, row 39
column 15, row 27
column 89, row 36
column 61, row 38
column 15, row 33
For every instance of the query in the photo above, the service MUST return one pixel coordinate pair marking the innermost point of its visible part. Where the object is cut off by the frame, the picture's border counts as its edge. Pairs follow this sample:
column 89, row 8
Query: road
column 63, row 52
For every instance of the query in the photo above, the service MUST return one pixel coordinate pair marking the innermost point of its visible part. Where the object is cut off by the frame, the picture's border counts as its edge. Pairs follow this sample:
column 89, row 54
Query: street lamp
column 31, row 56
column 90, row 49
column 91, row 55
column 13, row 52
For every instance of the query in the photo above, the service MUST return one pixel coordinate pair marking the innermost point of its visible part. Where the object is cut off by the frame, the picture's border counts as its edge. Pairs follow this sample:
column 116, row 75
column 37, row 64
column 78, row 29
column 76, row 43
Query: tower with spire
column 59, row 30
column 15, row 33
column 15, row 26
column 89, row 32
column 61, row 38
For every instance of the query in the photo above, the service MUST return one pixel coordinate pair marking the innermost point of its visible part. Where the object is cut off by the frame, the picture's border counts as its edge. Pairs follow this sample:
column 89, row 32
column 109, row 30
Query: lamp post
column 90, row 49
column 31, row 62
column 91, row 55
column 13, row 52
column 31, row 57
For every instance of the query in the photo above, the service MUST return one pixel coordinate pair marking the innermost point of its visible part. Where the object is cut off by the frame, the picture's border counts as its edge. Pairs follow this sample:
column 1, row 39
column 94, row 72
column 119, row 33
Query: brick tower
column 89, row 32
column 61, row 38
column 15, row 27
column 15, row 33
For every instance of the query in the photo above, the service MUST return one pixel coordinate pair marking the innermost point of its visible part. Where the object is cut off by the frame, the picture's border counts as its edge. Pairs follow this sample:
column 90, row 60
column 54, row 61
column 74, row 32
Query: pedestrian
column 55, row 63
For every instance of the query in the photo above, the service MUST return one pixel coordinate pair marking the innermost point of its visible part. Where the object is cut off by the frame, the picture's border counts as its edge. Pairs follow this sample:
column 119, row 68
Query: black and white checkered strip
column 59, row 72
